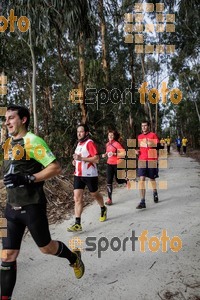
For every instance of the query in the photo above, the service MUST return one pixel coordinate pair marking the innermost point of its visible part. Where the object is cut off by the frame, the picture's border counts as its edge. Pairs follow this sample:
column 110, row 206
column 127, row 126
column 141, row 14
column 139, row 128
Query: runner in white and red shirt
column 85, row 159
column 148, row 143
column 113, row 149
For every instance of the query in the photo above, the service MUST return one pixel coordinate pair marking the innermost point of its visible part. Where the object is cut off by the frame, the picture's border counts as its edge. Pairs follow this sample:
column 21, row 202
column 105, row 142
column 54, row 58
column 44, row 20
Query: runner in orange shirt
column 147, row 161
column 113, row 149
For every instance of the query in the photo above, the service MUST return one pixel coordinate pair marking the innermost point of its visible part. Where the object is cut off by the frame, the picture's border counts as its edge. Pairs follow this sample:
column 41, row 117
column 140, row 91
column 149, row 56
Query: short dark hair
column 85, row 126
column 145, row 121
column 22, row 111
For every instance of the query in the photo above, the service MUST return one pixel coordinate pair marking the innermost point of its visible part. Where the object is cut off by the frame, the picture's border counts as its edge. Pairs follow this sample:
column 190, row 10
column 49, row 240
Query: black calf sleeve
column 109, row 190
column 8, row 272
column 65, row 252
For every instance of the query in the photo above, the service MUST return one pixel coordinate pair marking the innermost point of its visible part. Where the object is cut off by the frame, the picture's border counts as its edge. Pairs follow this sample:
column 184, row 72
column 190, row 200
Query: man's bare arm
column 50, row 171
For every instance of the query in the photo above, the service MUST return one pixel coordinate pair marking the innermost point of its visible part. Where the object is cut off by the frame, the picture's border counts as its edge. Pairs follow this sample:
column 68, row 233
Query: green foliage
column 185, row 70
column 56, row 32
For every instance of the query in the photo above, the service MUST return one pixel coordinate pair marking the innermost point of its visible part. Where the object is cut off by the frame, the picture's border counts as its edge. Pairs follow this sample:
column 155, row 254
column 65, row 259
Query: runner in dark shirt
column 178, row 144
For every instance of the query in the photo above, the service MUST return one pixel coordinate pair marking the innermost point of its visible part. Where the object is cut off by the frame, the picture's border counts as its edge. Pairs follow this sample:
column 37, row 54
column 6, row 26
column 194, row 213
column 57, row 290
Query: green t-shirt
column 27, row 155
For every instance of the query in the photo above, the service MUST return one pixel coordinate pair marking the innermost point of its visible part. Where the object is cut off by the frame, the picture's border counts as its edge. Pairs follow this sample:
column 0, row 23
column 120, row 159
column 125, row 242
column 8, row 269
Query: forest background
column 80, row 47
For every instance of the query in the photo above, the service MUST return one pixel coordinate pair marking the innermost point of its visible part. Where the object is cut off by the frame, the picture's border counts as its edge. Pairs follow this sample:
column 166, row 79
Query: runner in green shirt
column 28, row 162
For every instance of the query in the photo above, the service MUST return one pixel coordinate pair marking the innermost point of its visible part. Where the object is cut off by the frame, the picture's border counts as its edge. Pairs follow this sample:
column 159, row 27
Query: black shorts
column 33, row 217
column 91, row 182
column 148, row 171
column 111, row 171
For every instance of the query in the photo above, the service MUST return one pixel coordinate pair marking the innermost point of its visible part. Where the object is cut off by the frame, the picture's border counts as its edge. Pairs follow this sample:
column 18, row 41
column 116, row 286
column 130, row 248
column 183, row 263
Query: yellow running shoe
column 74, row 228
column 78, row 266
column 103, row 216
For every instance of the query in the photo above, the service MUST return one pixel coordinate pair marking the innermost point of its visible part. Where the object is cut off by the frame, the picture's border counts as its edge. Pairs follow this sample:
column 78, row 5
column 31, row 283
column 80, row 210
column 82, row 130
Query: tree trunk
column 47, row 108
column 105, row 63
column 30, row 98
column 131, row 123
column 105, row 51
column 35, row 120
column 195, row 103
column 147, row 107
column 81, row 85
column 4, row 134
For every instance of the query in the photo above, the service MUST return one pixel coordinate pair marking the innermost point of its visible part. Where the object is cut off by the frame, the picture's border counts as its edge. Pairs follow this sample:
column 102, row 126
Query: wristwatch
column 31, row 178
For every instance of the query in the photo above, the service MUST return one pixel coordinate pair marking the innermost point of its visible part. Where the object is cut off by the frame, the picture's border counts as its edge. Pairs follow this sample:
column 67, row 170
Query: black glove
column 13, row 180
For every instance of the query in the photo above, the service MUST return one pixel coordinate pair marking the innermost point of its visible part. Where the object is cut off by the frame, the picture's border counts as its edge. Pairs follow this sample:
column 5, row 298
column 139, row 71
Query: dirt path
column 126, row 274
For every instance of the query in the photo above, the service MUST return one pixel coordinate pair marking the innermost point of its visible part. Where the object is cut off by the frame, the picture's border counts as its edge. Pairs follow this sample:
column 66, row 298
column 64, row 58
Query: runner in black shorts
column 148, row 143
column 80, row 182
column 113, row 152
column 85, row 159
column 28, row 161
column 151, row 173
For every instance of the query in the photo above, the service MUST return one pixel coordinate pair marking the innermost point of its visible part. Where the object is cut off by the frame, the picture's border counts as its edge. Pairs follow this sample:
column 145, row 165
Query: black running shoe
column 155, row 198
column 141, row 205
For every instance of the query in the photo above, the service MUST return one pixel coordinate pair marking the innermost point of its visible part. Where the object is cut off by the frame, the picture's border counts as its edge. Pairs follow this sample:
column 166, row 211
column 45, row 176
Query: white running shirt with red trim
column 83, row 168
